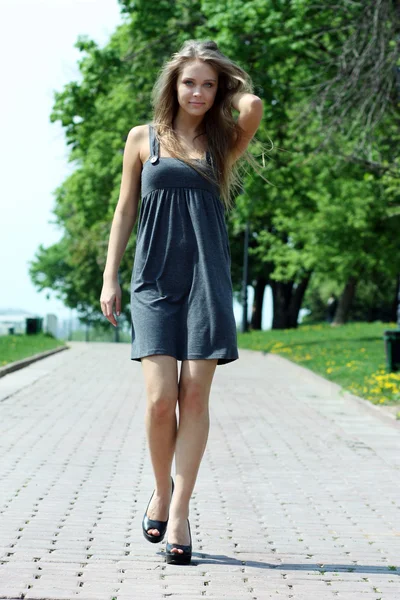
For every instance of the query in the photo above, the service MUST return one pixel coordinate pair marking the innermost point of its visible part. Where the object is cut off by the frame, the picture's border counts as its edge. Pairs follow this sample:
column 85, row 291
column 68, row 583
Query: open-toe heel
column 176, row 558
column 154, row 524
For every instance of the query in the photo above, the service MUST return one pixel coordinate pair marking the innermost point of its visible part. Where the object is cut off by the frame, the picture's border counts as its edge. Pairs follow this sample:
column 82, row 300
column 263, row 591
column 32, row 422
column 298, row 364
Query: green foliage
column 375, row 300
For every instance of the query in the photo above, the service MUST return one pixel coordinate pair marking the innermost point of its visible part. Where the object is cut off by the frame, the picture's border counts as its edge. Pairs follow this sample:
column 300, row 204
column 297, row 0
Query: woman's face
column 196, row 87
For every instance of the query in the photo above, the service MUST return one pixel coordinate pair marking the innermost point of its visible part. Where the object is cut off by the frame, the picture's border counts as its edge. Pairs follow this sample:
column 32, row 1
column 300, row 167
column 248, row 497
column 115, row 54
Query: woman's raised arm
column 251, row 110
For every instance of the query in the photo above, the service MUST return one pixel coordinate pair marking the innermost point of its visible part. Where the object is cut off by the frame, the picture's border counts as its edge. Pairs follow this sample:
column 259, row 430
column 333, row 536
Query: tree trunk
column 281, row 295
column 345, row 302
column 256, row 315
column 287, row 298
column 297, row 301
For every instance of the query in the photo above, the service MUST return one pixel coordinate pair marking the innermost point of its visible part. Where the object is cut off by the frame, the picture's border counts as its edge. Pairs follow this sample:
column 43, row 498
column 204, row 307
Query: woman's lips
column 197, row 103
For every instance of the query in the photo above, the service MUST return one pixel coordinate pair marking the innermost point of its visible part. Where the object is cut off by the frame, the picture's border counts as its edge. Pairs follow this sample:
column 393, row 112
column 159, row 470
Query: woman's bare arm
column 251, row 110
column 123, row 222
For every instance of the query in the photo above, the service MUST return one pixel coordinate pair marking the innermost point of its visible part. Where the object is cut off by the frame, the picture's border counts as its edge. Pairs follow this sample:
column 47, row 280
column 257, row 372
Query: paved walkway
column 298, row 494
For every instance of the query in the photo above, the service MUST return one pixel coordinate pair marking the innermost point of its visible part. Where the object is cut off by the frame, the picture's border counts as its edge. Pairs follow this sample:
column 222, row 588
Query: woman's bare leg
column 161, row 381
column 194, row 390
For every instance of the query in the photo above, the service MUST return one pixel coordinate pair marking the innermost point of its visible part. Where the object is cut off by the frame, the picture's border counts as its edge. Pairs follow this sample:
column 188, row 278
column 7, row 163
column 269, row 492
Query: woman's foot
column 157, row 513
column 177, row 553
column 158, row 510
column 178, row 533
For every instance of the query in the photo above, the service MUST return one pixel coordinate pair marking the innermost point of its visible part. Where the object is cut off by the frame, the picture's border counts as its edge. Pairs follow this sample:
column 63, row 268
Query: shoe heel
column 178, row 559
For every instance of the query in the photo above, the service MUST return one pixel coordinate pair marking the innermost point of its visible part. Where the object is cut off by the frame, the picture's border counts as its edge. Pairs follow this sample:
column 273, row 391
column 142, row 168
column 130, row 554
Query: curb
column 374, row 409
column 20, row 364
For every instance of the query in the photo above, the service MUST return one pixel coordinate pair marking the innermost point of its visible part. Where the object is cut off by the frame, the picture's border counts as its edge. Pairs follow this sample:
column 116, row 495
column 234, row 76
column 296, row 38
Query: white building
column 14, row 320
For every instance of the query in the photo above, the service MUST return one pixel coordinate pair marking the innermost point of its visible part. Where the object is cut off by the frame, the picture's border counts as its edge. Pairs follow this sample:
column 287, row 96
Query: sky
column 38, row 58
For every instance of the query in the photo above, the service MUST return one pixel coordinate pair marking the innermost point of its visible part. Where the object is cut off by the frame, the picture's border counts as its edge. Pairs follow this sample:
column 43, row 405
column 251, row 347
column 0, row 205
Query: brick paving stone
column 297, row 496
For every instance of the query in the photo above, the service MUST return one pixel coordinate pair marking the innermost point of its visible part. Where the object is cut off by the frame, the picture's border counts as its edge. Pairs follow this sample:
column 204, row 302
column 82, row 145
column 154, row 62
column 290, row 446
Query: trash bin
column 33, row 325
column 392, row 347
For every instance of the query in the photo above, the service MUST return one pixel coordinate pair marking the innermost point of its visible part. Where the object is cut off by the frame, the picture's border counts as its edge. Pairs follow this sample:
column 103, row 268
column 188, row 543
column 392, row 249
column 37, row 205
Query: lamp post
column 398, row 306
column 245, row 325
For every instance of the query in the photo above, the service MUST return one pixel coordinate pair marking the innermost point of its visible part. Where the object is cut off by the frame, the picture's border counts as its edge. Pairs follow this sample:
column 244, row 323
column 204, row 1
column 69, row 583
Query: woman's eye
column 209, row 84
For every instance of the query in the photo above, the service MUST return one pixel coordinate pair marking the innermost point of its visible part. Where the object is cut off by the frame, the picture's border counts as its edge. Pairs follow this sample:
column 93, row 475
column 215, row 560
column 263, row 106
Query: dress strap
column 154, row 145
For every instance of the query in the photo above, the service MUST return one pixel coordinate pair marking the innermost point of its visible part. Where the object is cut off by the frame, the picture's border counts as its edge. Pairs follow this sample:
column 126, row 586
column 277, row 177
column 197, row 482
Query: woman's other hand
column 111, row 293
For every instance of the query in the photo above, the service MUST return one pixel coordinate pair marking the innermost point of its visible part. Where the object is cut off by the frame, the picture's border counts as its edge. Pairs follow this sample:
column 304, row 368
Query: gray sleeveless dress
column 181, row 287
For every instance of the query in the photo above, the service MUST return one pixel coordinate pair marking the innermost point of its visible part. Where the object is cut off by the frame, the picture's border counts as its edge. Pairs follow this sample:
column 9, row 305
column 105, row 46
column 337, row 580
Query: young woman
column 183, row 162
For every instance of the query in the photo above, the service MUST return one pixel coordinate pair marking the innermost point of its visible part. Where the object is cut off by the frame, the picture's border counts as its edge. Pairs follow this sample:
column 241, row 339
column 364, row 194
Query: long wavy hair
column 218, row 124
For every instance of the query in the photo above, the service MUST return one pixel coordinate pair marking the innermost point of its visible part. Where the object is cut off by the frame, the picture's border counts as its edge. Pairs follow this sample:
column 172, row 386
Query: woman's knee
column 195, row 385
column 161, row 407
column 193, row 399
column 161, row 377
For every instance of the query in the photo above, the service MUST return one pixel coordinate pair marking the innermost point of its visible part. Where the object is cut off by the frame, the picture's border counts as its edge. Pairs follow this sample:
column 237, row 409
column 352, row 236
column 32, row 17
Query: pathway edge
column 25, row 362
column 369, row 406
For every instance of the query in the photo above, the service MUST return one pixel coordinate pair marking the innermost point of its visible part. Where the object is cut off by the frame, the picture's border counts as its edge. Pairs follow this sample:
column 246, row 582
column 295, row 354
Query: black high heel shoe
column 176, row 558
column 154, row 524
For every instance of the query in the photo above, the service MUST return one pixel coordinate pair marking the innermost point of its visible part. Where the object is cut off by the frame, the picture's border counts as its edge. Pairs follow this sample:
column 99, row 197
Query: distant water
column 267, row 313
column 266, row 321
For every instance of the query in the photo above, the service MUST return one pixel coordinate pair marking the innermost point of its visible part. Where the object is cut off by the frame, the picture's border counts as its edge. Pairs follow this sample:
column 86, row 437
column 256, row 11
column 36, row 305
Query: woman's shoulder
column 139, row 135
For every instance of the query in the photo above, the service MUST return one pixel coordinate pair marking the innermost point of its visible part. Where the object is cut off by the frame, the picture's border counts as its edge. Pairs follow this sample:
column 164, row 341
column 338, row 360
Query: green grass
column 16, row 347
column 352, row 355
